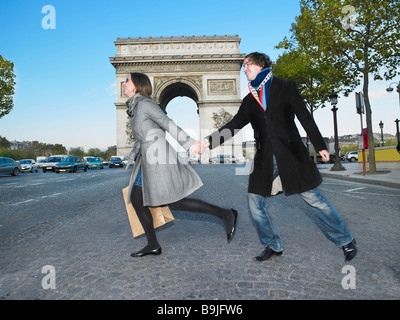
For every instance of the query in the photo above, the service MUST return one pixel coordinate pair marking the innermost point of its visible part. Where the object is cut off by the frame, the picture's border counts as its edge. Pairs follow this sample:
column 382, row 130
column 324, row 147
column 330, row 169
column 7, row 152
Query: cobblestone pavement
column 90, row 250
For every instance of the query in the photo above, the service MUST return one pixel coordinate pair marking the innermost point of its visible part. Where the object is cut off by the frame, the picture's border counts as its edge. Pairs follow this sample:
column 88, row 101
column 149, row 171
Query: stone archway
column 168, row 88
column 205, row 69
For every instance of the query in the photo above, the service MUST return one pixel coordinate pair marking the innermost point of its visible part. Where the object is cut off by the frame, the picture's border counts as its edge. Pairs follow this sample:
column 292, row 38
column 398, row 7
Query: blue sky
column 65, row 90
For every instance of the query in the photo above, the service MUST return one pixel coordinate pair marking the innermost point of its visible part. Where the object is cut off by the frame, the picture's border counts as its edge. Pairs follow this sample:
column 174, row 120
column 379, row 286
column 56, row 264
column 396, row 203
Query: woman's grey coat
column 165, row 177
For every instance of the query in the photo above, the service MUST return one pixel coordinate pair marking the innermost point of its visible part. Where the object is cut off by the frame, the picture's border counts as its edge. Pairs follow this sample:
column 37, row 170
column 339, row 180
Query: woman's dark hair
column 259, row 59
column 142, row 84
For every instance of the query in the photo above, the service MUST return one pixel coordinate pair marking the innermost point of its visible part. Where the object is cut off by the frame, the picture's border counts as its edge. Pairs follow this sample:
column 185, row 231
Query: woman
column 158, row 176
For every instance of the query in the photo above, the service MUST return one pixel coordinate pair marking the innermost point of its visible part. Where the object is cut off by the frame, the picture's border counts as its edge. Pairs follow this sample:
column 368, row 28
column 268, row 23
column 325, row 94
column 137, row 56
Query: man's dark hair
column 259, row 59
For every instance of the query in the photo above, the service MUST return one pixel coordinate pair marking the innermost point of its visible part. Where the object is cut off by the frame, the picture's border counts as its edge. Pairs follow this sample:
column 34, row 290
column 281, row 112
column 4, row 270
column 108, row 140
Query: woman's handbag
column 161, row 215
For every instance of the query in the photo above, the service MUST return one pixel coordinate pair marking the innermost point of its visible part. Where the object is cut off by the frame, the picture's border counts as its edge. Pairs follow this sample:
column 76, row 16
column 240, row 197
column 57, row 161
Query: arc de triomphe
column 205, row 69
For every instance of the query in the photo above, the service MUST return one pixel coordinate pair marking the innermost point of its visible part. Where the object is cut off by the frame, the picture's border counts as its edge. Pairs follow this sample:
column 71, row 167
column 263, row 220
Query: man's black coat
column 276, row 133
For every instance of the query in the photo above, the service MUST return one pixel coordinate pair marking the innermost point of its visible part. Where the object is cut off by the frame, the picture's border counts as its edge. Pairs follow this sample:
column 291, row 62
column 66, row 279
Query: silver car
column 52, row 161
column 351, row 156
column 41, row 163
column 28, row 165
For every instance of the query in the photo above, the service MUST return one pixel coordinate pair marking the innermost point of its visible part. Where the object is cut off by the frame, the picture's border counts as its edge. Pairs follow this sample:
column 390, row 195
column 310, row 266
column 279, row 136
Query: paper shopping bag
column 161, row 215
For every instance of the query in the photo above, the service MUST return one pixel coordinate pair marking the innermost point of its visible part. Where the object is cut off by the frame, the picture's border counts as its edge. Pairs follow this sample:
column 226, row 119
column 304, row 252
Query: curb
column 362, row 180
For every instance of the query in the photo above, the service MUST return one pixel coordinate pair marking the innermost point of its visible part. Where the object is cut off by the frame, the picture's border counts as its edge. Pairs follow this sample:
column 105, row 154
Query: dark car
column 9, row 166
column 71, row 164
column 115, row 162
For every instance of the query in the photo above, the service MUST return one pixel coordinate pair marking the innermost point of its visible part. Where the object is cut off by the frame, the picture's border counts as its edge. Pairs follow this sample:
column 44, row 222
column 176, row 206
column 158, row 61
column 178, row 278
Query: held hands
column 199, row 146
column 325, row 155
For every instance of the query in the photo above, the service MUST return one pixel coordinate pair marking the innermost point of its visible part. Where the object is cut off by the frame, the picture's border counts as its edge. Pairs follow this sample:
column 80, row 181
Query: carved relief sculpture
column 221, row 118
column 216, row 87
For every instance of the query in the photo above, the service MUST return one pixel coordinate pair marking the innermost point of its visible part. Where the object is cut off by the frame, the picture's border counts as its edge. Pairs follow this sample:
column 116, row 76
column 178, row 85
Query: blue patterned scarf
column 261, row 83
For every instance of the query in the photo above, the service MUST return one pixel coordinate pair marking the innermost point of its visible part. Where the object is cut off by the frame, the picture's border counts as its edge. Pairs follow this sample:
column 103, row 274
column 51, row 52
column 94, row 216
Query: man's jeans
column 329, row 220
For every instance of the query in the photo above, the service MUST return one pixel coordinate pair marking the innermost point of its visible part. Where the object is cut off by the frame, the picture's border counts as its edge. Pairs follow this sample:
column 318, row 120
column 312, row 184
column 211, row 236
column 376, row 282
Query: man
column 270, row 107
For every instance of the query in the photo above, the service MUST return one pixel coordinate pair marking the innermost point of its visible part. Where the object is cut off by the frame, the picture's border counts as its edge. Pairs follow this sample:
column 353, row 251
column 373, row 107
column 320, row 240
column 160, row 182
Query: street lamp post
column 337, row 165
column 390, row 89
column 381, row 126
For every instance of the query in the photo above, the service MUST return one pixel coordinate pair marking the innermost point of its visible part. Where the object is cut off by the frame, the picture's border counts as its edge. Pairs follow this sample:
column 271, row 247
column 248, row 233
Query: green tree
column 364, row 33
column 4, row 143
column 58, row 149
column 95, row 152
column 315, row 74
column 39, row 149
column 7, row 84
column 16, row 154
column 111, row 151
column 78, row 151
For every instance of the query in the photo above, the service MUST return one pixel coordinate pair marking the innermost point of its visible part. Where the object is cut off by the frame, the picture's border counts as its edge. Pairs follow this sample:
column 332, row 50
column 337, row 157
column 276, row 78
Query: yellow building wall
column 383, row 155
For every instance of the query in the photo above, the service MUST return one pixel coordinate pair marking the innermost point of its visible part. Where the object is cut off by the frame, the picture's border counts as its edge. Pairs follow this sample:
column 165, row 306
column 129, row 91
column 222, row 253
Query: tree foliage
column 315, row 77
column 41, row 149
column 359, row 38
column 7, row 84
column 4, row 143
column 77, row 151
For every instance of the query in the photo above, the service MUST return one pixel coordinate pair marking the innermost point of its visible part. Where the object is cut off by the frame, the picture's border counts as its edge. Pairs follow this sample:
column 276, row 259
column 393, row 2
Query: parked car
column 351, row 156
column 41, row 163
column 115, row 162
column 52, row 161
column 194, row 160
column 71, row 164
column 191, row 160
column 28, row 165
column 223, row 158
column 9, row 166
column 95, row 162
column 125, row 160
column 86, row 158
column 39, row 158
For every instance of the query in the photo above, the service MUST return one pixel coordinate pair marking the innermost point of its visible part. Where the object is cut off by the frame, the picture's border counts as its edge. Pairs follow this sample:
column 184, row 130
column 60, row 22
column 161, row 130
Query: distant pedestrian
column 271, row 107
column 158, row 176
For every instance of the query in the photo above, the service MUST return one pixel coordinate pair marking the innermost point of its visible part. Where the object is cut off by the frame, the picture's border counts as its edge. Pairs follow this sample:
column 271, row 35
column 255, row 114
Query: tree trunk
column 368, row 116
column 368, row 111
